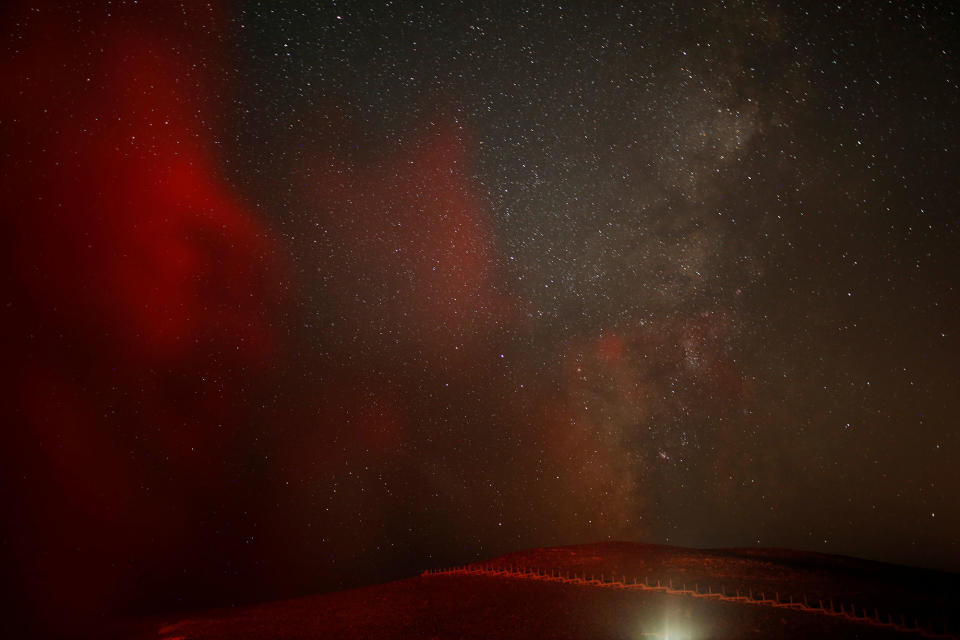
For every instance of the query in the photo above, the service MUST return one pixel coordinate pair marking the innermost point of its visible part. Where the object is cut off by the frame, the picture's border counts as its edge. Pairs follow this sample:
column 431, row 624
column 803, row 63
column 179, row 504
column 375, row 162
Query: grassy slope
column 493, row 607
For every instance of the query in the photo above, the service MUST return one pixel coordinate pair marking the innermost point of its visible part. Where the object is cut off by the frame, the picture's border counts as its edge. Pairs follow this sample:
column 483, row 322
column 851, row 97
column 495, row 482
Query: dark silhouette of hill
column 611, row 590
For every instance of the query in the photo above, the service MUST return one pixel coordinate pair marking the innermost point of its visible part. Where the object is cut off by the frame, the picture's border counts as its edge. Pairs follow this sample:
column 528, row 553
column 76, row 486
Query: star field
column 319, row 295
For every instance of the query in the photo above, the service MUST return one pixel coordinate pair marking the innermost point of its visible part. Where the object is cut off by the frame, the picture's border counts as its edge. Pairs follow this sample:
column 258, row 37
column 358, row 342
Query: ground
column 503, row 606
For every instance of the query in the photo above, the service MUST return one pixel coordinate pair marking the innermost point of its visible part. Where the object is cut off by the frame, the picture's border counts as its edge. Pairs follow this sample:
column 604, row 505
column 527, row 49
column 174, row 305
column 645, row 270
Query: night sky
column 301, row 296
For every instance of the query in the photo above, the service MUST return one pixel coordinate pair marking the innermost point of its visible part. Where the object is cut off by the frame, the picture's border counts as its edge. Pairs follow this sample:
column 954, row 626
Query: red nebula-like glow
column 413, row 230
column 618, row 395
column 142, row 294
column 122, row 224
column 611, row 347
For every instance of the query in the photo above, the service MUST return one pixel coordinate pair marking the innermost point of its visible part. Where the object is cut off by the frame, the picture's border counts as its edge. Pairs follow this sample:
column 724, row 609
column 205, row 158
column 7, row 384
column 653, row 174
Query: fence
column 846, row 612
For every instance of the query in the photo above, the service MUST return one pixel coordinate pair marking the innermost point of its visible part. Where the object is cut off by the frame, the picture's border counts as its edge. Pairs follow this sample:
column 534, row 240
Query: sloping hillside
column 613, row 590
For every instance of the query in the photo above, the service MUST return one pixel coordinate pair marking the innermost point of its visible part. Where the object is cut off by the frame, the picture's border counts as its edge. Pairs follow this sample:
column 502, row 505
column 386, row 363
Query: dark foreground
column 782, row 594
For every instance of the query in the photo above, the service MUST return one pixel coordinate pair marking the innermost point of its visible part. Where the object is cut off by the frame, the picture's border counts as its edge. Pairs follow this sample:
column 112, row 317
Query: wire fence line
column 848, row 612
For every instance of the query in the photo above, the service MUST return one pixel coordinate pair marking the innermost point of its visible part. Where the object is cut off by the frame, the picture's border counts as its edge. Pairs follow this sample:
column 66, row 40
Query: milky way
column 305, row 297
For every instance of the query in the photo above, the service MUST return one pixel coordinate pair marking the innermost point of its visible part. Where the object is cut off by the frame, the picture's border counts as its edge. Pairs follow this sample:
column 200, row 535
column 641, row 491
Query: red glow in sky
column 301, row 298
column 144, row 294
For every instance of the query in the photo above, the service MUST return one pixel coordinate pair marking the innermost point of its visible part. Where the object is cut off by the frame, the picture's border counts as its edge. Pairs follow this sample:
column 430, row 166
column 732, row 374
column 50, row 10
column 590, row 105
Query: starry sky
column 301, row 296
